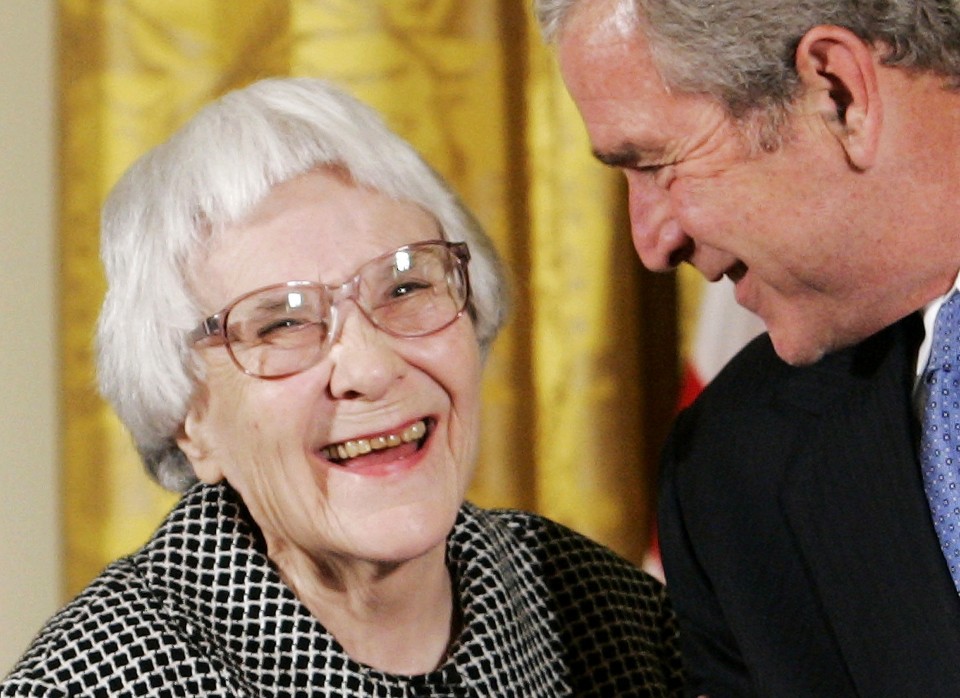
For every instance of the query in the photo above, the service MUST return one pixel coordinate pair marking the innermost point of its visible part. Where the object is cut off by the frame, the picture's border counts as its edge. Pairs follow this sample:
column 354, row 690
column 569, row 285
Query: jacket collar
column 207, row 564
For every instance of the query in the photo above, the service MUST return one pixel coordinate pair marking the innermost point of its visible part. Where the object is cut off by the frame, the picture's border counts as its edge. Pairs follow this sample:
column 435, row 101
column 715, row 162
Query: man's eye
column 650, row 169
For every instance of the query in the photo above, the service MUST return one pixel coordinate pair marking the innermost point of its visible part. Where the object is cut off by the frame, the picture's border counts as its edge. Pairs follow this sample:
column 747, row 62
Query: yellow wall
column 29, row 542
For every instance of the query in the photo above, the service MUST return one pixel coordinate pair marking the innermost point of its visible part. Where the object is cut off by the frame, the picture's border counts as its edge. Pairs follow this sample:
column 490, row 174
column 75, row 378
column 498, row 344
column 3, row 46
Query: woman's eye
column 408, row 288
column 279, row 325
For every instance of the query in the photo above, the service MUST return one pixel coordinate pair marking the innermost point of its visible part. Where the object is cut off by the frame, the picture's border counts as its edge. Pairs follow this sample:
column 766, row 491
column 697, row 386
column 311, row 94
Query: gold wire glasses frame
column 283, row 329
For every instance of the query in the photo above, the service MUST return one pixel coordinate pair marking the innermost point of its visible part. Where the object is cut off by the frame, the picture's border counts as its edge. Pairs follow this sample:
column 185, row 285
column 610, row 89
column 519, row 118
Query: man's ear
column 193, row 440
column 838, row 71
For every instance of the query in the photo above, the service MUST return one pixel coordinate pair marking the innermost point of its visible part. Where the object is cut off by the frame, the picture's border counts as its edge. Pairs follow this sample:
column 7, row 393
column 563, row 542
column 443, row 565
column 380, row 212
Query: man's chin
column 797, row 351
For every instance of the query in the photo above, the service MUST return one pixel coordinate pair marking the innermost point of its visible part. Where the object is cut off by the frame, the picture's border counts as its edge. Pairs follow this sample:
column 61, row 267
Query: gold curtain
column 580, row 386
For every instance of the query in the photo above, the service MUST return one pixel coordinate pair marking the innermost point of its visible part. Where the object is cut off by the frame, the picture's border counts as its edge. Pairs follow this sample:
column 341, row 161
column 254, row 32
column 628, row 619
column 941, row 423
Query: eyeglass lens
column 414, row 291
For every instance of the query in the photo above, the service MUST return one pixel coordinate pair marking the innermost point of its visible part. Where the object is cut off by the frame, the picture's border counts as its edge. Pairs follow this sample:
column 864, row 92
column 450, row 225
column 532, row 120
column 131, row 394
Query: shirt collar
column 929, row 317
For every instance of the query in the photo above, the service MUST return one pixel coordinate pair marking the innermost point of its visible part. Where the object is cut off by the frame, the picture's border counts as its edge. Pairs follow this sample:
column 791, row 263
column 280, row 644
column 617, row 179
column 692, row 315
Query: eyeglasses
column 283, row 329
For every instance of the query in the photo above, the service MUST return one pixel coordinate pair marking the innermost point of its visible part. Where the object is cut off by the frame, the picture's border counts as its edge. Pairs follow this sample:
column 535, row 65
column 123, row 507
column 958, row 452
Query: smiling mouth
column 410, row 438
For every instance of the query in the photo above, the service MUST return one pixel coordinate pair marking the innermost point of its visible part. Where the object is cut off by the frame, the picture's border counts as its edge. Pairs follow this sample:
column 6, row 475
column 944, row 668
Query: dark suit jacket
column 796, row 535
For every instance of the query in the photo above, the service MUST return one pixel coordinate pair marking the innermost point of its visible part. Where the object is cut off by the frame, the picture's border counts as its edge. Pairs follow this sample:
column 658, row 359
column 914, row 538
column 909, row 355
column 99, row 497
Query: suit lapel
column 855, row 503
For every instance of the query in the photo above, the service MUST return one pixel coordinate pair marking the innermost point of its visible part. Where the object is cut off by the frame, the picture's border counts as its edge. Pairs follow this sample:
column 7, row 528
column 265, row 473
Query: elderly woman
column 297, row 315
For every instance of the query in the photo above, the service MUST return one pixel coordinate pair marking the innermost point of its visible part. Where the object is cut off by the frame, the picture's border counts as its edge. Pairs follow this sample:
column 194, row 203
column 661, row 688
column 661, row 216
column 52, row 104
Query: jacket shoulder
column 114, row 639
column 81, row 633
column 602, row 604
column 757, row 391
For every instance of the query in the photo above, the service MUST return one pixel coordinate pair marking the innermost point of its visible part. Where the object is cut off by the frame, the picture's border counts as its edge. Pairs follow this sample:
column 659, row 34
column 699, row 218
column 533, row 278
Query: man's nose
column 657, row 234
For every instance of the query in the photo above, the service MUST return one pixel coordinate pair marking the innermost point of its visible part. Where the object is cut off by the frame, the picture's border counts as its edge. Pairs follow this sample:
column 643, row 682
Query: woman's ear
column 193, row 440
column 838, row 71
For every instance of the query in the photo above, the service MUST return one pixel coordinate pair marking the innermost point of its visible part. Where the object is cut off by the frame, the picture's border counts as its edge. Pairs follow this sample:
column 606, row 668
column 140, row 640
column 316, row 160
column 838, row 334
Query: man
column 809, row 150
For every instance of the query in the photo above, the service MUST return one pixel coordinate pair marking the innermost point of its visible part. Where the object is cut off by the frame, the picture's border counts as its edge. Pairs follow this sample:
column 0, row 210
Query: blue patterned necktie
column 940, row 443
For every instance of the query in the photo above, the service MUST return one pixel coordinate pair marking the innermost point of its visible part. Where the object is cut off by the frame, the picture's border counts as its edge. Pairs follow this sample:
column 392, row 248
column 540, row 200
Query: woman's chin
column 404, row 533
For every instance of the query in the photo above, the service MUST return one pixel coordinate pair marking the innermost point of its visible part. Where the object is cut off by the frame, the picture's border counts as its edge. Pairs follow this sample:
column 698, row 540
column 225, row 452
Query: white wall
column 29, row 523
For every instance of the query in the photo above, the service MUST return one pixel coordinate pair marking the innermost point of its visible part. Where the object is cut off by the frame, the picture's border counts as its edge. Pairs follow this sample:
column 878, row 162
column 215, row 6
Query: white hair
column 159, row 216
column 552, row 15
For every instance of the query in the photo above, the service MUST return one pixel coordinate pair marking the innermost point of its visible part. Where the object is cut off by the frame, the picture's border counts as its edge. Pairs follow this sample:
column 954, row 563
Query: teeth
column 359, row 447
column 414, row 431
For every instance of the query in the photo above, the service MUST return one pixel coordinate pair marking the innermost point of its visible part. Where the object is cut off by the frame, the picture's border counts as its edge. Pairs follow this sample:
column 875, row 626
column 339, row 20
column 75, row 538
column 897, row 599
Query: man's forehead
column 614, row 83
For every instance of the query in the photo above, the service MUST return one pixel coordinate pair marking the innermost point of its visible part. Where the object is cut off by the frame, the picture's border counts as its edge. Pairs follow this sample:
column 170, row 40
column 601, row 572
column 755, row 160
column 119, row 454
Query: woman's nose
column 658, row 236
column 364, row 362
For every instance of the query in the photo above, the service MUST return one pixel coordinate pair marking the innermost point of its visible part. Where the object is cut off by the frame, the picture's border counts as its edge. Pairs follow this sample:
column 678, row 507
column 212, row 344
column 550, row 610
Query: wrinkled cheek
column 469, row 447
column 472, row 448
column 701, row 215
column 277, row 496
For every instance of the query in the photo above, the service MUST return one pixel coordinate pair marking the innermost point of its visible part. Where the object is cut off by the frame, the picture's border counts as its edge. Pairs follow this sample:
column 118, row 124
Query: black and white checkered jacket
column 200, row 611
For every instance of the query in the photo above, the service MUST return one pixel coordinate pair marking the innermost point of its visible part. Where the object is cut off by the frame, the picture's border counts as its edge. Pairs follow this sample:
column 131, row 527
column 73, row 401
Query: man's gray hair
column 741, row 52
column 162, row 213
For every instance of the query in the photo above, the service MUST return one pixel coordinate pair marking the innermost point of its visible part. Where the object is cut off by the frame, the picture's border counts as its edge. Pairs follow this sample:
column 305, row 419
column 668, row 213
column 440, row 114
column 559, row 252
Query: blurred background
column 581, row 387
